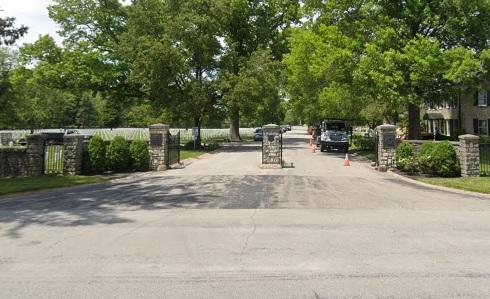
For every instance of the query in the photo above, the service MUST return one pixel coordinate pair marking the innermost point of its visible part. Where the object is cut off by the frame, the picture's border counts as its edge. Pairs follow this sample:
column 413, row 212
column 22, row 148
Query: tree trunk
column 235, row 125
column 413, row 122
column 197, row 123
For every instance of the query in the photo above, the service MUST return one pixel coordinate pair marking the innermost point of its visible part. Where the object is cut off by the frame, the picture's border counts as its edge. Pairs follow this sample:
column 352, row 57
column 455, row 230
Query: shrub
column 140, row 157
column 425, row 157
column 363, row 143
column 405, row 158
column 97, row 154
column 445, row 161
column 118, row 154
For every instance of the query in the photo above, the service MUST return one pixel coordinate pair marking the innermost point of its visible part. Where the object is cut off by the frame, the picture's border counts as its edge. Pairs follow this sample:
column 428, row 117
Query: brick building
column 471, row 115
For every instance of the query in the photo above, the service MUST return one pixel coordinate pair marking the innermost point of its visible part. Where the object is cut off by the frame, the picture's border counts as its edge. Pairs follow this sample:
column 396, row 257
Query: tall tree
column 95, row 27
column 173, row 49
column 402, row 43
column 9, row 33
column 248, row 26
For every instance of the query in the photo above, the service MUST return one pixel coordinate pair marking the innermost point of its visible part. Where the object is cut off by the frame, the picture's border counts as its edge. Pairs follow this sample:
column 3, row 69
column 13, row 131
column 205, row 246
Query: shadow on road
column 103, row 204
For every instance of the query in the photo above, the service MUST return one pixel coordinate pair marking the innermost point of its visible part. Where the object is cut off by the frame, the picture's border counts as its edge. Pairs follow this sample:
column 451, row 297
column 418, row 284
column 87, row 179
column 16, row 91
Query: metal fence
column 485, row 159
column 173, row 149
column 53, row 159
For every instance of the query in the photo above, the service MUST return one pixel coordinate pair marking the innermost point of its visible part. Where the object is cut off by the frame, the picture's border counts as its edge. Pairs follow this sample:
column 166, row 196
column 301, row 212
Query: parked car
column 258, row 134
column 284, row 128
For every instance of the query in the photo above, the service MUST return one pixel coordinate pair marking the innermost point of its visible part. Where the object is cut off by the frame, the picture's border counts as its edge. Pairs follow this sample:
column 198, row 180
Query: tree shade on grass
column 23, row 184
column 474, row 184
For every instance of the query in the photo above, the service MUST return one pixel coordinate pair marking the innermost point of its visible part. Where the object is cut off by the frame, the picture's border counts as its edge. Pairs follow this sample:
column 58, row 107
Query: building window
column 482, row 127
column 482, row 98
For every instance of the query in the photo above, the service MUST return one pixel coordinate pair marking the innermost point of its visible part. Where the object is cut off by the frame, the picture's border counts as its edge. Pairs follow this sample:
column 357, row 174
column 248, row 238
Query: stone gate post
column 386, row 146
column 35, row 154
column 469, row 155
column 271, row 147
column 72, row 154
column 159, row 146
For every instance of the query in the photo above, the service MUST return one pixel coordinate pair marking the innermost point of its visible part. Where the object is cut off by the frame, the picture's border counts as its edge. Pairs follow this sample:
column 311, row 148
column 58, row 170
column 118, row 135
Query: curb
column 440, row 188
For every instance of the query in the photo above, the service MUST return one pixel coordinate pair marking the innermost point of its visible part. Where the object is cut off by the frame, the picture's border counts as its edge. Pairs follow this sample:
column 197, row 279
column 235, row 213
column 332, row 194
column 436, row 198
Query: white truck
column 335, row 135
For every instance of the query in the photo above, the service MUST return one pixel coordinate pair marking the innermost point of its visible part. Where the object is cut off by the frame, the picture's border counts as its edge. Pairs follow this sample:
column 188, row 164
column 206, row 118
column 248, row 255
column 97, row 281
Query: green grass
column 475, row 184
column 22, row 184
column 366, row 154
column 187, row 153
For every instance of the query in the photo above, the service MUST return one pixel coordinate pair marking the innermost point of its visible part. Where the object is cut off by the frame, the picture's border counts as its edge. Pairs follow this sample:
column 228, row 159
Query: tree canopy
column 386, row 56
column 227, row 62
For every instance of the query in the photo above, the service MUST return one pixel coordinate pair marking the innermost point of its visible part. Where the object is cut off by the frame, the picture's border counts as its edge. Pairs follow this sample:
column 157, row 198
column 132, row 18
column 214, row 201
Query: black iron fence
column 53, row 159
column 173, row 149
column 485, row 159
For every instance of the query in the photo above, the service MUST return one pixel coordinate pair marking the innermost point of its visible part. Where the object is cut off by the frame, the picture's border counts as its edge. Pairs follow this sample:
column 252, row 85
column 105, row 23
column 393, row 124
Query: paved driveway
column 223, row 228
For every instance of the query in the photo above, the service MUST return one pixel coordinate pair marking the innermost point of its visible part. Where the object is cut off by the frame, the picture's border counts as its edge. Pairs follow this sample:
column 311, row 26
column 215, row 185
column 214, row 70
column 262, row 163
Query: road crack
column 249, row 235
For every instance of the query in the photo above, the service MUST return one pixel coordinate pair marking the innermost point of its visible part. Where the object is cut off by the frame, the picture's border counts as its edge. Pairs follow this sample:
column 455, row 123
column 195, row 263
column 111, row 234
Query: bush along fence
column 72, row 155
column 435, row 158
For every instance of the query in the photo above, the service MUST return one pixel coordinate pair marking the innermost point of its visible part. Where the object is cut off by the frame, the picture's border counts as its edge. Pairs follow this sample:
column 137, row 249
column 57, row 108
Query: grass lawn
column 475, row 184
column 22, row 184
column 189, row 153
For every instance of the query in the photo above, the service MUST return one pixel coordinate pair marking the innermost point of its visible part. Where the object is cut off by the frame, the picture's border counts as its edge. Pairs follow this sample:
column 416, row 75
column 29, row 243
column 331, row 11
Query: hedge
column 96, row 155
column 405, row 157
column 118, row 154
column 140, row 156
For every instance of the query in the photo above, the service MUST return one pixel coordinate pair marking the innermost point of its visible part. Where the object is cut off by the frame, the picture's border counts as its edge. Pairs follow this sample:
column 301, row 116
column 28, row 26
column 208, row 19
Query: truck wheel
column 322, row 149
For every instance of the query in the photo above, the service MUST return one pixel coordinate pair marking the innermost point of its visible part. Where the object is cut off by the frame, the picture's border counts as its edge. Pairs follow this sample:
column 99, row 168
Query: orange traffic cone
column 346, row 160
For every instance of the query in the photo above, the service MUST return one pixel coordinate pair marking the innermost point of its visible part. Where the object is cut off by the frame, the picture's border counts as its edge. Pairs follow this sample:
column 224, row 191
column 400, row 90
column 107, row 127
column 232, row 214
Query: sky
column 33, row 14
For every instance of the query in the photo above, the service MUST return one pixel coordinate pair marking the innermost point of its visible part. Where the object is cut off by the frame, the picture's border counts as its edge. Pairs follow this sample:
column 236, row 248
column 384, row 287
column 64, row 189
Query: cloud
column 33, row 14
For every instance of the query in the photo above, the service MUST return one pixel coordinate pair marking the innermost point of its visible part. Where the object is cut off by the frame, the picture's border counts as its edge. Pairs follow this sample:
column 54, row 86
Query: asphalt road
column 223, row 228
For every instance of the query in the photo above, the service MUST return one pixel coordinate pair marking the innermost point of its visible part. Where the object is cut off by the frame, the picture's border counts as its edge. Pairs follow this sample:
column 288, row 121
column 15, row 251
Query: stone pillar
column 35, row 154
column 72, row 154
column 469, row 155
column 271, row 147
column 159, row 147
column 386, row 146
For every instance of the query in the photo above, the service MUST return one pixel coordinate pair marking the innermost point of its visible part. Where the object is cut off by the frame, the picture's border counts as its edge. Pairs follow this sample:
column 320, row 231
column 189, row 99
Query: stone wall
column 417, row 143
column 13, row 161
column 159, row 147
column 23, row 161
column 271, row 147
column 72, row 154
column 467, row 150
